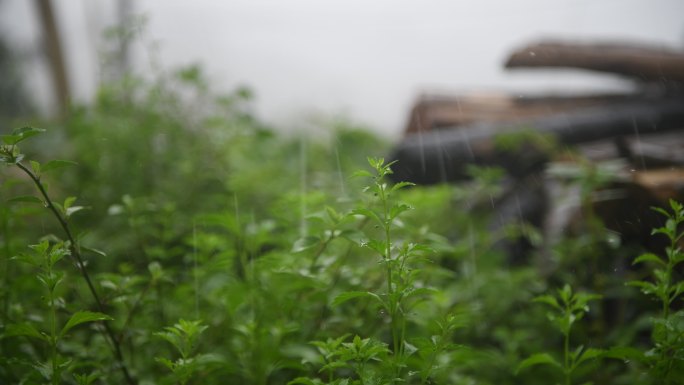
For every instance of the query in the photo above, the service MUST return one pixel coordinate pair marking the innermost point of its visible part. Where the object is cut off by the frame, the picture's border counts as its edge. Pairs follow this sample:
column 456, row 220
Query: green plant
column 208, row 215
column 394, row 257
column 568, row 308
column 399, row 292
column 11, row 155
column 184, row 337
column 45, row 257
column 430, row 349
column 666, row 358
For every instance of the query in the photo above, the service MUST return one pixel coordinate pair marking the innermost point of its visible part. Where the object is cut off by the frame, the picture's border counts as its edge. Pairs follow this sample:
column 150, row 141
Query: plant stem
column 76, row 255
column 388, row 239
column 566, row 353
column 388, row 257
column 320, row 251
column 566, row 343
column 7, row 272
column 53, row 332
column 134, row 308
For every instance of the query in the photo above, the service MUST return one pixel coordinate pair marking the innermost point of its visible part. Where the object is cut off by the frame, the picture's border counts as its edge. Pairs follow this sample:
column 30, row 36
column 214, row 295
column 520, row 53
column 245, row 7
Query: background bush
column 223, row 252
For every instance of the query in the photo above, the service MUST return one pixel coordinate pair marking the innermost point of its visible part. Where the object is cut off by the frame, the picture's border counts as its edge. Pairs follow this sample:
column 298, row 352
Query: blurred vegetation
column 225, row 252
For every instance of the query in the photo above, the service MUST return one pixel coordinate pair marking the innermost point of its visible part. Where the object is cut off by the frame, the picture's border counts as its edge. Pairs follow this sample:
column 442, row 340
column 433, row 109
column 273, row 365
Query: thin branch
column 76, row 254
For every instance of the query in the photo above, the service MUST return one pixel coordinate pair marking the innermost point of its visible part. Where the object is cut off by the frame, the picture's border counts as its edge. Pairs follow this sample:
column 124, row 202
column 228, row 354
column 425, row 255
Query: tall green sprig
column 11, row 155
column 666, row 359
column 395, row 265
column 45, row 257
column 568, row 308
column 664, row 287
column 184, row 336
column 396, row 257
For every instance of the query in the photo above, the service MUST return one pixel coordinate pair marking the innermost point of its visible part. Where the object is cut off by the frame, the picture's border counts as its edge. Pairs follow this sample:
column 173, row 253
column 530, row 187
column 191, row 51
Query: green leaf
column 352, row 235
column 538, row 359
column 419, row 291
column 26, row 199
column 82, row 317
column 676, row 290
column 648, row 257
column 44, row 368
column 68, row 202
column 305, row 243
column 565, row 293
column 11, row 139
column 332, row 214
column 375, row 162
column 401, row 185
column 35, row 166
column 305, row 381
column 21, row 134
column 27, row 258
column 362, row 173
column 377, row 245
column 398, row 209
column 347, row 295
column 646, row 287
column 549, row 300
column 589, row 354
column 23, row 329
column 59, row 207
column 94, row 251
column 56, row 164
column 72, row 210
column 625, row 353
column 166, row 362
column 86, row 379
column 661, row 211
column 367, row 213
column 581, row 300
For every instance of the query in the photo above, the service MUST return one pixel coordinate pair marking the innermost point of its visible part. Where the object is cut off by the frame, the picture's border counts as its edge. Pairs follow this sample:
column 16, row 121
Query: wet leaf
column 23, row 329
column 538, row 359
column 81, row 317
column 57, row 164
column 26, row 199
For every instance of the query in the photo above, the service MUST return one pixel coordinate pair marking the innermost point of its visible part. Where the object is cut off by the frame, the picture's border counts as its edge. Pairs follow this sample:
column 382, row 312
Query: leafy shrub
column 206, row 248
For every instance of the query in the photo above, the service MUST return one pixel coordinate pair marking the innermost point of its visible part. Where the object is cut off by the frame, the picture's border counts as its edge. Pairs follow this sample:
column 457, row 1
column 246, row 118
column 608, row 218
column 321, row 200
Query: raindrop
column 532, row 53
column 638, row 143
column 422, row 150
column 303, row 186
column 339, row 172
column 466, row 140
column 195, row 268
column 237, row 208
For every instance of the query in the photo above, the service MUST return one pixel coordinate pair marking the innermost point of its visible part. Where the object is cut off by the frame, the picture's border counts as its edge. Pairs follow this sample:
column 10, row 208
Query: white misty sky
column 363, row 59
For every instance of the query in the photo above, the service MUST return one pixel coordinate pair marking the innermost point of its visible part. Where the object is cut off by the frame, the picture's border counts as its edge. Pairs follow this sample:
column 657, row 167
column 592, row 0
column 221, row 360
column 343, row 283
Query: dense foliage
column 180, row 241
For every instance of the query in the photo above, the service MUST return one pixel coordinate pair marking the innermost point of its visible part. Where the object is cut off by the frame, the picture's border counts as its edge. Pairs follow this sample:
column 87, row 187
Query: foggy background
column 365, row 60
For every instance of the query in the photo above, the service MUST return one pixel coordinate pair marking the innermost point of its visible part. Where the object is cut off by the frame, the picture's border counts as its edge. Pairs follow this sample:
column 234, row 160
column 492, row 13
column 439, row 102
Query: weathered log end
column 642, row 63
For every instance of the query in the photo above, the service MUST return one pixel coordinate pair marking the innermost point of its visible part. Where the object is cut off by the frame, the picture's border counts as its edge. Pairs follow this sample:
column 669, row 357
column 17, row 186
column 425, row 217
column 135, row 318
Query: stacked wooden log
column 444, row 134
column 522, row 134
